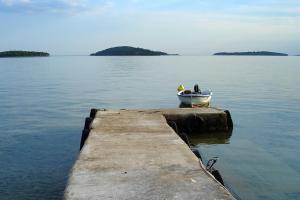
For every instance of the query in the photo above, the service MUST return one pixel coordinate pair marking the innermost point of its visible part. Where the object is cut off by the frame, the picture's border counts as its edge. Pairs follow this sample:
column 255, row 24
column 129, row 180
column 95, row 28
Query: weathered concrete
column 135, row 154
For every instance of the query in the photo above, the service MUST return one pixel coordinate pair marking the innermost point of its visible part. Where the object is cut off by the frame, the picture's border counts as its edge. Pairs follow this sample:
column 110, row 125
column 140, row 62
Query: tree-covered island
column 129, row 51
column 250, row 53
column 7, row 54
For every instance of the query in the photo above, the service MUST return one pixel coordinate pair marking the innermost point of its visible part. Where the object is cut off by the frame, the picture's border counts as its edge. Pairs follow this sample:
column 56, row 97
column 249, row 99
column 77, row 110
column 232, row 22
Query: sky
column 187, row 27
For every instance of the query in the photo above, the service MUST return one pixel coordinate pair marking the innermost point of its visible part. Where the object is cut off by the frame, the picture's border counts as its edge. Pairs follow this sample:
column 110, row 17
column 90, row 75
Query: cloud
column 14, row 2
column 53, row 6
column 205, row 33
column 261, row 8
column 180, row 26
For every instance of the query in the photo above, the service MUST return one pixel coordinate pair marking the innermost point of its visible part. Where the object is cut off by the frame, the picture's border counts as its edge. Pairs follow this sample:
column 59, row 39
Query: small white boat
column 194, row 98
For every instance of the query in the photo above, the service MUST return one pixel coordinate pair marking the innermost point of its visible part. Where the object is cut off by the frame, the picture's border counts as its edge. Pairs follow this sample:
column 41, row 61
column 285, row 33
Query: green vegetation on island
column 250, row 53
column 6, row 54
column 129, row 51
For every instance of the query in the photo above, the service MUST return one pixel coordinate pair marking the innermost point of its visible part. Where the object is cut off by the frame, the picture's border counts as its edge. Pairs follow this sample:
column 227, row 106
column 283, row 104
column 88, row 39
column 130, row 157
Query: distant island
column 6, row 54
column 250, row 53
column 129, row 51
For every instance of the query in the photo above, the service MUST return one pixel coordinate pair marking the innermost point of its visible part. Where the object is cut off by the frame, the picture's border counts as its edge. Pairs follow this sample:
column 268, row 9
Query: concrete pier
column 135, row 154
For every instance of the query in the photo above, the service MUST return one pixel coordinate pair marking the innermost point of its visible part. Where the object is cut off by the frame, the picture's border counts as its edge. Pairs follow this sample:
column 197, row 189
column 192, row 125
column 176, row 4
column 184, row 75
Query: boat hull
column 192, row 99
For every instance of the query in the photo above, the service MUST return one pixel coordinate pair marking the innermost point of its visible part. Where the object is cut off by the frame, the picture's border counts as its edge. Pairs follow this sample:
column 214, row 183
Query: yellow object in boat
column 180, row 88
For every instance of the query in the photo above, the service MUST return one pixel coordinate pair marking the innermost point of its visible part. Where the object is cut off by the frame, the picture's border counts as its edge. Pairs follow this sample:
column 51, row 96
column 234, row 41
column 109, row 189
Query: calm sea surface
column 43, row 103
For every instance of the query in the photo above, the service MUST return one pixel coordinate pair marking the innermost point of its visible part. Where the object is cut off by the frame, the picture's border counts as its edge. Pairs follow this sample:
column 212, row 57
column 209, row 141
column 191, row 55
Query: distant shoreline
column 129, row 51
column 16, row 54
column 250, row 53
column 24, row 54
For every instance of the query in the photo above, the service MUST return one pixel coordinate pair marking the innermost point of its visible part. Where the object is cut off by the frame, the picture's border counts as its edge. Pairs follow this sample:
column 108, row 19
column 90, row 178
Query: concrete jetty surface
column 135, row 154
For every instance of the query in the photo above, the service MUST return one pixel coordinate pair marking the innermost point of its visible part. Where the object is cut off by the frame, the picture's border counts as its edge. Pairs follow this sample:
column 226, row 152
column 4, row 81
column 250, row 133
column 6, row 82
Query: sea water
column 43, row 103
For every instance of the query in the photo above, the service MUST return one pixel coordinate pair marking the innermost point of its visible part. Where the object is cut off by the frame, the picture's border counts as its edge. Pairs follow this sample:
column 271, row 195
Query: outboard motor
column 196, row 88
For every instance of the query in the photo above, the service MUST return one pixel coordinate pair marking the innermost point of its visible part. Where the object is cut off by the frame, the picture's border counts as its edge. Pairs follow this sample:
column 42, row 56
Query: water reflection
column 182, row 105
column 210, row 138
